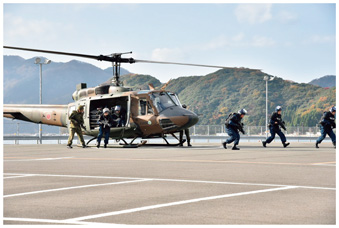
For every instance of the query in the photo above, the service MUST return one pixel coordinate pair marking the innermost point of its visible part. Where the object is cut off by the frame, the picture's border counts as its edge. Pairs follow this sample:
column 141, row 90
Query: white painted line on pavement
column 177, row 180
column 55, row 221
column 75, row 187
column 177, row 203
column 19, row 176
column 39, row 159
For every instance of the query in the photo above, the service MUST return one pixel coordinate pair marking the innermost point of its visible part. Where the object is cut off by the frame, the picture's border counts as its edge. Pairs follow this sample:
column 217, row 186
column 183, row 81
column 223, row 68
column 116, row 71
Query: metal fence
column 29, row 132
column 197, row 130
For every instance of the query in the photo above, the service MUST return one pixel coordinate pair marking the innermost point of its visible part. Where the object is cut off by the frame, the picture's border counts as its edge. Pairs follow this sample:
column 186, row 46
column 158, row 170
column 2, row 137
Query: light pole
column 267, row 78
column 38, row 61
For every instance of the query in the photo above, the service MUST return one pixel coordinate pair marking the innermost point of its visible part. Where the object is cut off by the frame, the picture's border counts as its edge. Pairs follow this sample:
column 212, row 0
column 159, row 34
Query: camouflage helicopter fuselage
column 148, row 113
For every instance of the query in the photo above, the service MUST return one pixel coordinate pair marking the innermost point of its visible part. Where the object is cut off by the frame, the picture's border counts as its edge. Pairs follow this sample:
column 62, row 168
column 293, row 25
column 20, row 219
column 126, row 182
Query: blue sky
column 292, row 41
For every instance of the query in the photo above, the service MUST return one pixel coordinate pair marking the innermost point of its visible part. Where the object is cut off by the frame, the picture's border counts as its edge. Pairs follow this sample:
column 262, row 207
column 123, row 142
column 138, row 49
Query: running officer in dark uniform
column 327, row 124
column 233, row 126
column 275, row 124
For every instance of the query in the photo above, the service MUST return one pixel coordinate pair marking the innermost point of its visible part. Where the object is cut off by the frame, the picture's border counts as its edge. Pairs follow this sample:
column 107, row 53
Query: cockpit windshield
column 164, row 100
column 174, row 98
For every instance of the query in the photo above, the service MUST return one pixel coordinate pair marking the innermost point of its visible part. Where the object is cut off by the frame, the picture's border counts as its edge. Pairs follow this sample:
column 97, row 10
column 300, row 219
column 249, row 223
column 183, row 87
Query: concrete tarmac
column 205, row 184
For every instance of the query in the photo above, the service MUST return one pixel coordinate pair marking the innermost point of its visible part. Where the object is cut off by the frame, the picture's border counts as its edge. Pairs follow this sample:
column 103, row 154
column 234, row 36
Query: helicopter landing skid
column 131, row 145
column 91, row 140
column 167, row 143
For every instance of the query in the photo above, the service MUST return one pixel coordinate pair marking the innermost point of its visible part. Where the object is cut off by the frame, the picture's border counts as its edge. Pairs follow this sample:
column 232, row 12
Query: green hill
column 215, row 95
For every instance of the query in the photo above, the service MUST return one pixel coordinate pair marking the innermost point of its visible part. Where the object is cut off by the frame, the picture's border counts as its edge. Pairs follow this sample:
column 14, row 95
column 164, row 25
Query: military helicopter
column 148, row 113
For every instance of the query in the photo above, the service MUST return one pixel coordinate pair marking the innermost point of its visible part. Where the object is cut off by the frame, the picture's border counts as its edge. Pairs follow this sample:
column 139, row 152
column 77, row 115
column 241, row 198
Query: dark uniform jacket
column 235, row 122
column 106, row 121
column 327, row 120
column 276, row 121
column 119, row 118
column 76, row 119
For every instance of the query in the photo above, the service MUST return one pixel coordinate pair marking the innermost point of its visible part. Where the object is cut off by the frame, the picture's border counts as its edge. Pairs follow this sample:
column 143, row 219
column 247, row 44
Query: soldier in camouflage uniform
column 76, row 123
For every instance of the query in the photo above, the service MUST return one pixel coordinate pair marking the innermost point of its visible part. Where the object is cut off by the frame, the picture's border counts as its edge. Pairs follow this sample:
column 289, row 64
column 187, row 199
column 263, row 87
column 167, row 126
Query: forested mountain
column 228, row 90
column 212, row 96
column 326, row 81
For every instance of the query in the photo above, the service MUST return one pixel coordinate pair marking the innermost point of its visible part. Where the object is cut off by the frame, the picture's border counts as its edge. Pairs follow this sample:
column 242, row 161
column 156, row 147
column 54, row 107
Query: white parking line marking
column 177, row 180
column 29, row 175
column 55, row 221
column 75, row 187
column 39, row 159
column 177, row 203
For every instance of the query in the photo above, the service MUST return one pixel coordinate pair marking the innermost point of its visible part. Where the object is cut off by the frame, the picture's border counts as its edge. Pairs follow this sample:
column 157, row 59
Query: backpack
column 227, row 121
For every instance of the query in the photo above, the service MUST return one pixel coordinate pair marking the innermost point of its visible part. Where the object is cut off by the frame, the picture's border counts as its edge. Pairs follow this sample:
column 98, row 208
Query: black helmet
column 278, row 108
column 332, row 109
column 242, row 111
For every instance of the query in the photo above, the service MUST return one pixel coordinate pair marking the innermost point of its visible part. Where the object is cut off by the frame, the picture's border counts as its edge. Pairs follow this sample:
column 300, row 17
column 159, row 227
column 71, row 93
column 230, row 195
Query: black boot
column 84, row 146
column 334, row 145
column 235, row 147
column 263, row 143
column 105, row 146
column 189, row 143
column 224, row 145
column 316, row 145
column 69, row 147
column 98, row 145
column 286, row 144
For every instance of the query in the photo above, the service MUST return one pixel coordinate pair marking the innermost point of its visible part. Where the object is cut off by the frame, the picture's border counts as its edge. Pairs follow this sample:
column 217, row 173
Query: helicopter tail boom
column 44, row 114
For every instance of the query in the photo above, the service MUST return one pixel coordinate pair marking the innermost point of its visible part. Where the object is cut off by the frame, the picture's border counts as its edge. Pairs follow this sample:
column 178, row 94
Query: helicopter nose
column 192, row 120
column 177, row 118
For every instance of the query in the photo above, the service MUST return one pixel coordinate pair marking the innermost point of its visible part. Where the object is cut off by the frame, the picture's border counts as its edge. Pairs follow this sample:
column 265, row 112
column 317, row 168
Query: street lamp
column 267, row 78
column 38, row 61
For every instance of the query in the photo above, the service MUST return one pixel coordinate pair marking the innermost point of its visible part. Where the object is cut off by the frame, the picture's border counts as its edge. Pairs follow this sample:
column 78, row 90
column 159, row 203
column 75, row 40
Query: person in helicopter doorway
column 105, row 122
column 119, row 116
column 275, row 124
column 327, row 125
column 187, row 133
column 76, row 123
column 233, row 126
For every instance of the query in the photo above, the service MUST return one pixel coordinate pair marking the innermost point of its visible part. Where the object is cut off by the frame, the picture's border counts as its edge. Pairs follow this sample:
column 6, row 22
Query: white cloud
column 19, row 30
column 167, row 54
column 225, row 41
column 239, row 40
column 287, row 17
column 322, row 39
column 253, row 13
column 262, row 41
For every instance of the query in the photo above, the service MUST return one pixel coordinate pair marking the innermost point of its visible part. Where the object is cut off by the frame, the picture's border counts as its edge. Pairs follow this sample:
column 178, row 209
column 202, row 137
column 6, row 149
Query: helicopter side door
column 147, row 117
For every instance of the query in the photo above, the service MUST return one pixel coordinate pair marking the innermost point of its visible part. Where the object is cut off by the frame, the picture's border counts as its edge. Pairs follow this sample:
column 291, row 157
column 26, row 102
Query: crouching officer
column 105, row 122
column 119, row 116
column 275, row 124
column 76, row 123
column 187, row 133
column 327, row 125
column 233, row 126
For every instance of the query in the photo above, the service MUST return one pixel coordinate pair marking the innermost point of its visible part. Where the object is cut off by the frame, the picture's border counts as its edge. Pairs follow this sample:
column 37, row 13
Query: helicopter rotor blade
column 53, row 52
column 97, row 57
column 185, row 64
column 114, row 58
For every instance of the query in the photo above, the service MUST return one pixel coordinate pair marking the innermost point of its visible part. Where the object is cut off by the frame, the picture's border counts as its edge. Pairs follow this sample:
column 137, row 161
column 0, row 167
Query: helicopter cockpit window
column 175, row 98
column 149, row 109
column 142, row 107
column 145, row 107
column 162, row 101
